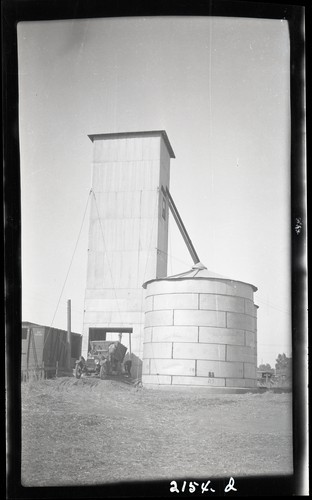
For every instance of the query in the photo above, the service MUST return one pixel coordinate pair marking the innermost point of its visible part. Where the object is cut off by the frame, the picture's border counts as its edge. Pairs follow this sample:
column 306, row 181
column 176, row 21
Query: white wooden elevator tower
column 128, row 235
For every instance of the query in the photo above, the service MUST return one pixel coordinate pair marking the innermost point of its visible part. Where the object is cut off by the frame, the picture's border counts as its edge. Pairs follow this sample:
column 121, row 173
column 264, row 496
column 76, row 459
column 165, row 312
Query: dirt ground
column 92, row 432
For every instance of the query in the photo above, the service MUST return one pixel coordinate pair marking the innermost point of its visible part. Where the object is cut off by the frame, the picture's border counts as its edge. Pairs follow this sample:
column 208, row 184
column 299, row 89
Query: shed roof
column 29, row 324
column 124, row 135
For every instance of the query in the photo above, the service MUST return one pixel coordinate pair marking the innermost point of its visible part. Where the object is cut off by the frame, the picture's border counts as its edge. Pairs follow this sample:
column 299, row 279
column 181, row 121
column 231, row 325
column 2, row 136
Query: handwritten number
column 298, row 225
column 192, row 487
column 204, row 487
column 174, row 487
column 230, row 486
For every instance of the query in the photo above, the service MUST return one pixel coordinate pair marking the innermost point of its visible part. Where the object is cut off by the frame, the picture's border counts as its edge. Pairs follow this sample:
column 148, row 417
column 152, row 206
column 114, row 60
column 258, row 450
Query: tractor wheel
column 103, row 372
column 78, row 370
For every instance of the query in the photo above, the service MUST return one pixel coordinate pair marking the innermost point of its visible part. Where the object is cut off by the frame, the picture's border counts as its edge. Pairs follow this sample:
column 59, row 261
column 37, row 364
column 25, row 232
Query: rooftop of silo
column 125, row 135
column 198, row 271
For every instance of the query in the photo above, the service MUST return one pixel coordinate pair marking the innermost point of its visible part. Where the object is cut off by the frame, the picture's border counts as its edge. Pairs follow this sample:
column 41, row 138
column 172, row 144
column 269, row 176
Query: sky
column 220, row 89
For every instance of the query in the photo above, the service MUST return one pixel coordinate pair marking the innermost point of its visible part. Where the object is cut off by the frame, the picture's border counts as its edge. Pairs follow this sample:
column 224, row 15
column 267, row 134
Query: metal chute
column 182, row 228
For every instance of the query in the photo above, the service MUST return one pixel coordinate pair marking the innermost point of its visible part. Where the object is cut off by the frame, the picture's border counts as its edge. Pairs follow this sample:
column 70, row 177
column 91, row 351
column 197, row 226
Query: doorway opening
column 104, row 333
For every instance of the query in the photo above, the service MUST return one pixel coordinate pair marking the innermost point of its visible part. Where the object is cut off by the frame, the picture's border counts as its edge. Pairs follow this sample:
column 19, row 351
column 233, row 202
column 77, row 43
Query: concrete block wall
column 200, row 332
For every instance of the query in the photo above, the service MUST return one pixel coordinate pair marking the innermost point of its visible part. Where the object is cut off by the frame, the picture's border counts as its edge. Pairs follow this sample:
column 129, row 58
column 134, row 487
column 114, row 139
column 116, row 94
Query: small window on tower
column 164, row 206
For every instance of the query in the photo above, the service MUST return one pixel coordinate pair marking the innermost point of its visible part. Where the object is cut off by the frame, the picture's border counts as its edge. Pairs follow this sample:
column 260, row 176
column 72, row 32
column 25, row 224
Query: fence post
column 56, row 371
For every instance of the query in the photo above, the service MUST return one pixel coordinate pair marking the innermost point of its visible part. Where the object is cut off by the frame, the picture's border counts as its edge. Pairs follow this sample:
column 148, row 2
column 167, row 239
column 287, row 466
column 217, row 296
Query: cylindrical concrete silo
column 200, row 330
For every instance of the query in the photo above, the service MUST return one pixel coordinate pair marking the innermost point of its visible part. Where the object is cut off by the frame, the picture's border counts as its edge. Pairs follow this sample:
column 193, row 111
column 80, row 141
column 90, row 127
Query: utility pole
column 68, row 358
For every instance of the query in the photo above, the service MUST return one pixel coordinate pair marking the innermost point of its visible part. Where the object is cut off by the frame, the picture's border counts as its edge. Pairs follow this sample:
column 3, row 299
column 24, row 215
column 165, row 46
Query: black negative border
column 14, row 11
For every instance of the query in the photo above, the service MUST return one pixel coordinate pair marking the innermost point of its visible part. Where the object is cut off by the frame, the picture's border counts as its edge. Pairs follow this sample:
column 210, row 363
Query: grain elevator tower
column 128, row 234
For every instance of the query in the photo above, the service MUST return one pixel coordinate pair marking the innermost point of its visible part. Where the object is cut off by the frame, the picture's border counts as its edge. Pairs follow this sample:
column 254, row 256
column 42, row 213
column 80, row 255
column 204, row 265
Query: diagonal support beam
column 180, row 225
